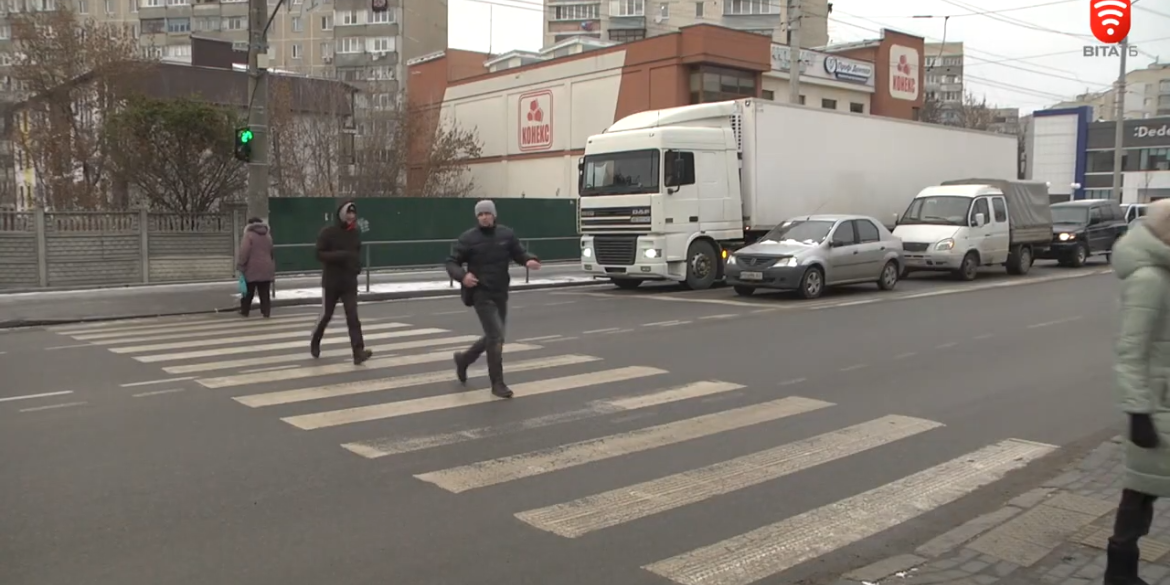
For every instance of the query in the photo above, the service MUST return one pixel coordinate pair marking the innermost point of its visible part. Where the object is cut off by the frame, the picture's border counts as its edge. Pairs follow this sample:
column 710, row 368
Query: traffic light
column 244, row 144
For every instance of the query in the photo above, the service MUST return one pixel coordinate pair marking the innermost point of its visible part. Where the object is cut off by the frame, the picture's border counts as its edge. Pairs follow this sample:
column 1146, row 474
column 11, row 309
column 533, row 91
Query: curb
column 362, row 298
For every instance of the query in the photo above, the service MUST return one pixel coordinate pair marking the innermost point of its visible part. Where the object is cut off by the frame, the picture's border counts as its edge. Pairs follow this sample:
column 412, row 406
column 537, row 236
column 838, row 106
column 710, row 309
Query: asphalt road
column 149, row 472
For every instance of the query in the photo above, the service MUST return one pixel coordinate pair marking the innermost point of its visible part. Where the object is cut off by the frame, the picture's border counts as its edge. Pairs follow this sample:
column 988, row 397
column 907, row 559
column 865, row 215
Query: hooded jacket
column 339, row 249
column 1141, row 259
column 257, row 256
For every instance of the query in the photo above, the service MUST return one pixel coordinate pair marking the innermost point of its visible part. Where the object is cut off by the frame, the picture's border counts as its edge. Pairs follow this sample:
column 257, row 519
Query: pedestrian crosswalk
column 264, row 366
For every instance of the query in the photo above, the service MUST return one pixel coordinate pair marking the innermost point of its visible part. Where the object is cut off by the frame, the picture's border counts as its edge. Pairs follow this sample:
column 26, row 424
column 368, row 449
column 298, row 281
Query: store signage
column 848, row 70
column 536, row 120
column 1152, row 131
column 904, row 73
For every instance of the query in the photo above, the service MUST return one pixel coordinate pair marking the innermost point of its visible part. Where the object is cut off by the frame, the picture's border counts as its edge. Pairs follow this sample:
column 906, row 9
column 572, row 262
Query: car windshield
column 1070, row 215
column 937, row 210
column 808, row 232
column 621, row 173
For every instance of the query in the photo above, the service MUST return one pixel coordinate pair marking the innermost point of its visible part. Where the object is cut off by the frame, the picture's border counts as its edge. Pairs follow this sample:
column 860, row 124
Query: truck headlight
column 587, row 253
column 945, row 245
column 1067, row 237
column 652, row 253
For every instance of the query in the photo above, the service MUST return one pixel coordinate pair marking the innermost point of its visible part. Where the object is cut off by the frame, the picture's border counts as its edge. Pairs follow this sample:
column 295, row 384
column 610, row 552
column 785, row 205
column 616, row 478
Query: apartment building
column 634, row 20
column 1147, row 95
column 944, row 79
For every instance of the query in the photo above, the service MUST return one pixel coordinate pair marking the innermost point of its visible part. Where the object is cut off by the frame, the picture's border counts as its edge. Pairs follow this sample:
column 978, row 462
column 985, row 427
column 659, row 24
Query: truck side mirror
column 580, row 174
column 980, row 220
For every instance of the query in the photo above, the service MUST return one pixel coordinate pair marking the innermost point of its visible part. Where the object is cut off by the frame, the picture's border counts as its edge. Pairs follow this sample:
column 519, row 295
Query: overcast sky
column 1021, row 53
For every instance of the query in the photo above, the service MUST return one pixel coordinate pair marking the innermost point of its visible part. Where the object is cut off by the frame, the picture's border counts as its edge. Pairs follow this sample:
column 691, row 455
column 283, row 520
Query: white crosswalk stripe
column 264, row 365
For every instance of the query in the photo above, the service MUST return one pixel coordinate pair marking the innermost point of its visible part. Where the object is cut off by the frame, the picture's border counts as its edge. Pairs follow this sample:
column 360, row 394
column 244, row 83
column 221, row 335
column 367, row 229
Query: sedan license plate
column 751, row 276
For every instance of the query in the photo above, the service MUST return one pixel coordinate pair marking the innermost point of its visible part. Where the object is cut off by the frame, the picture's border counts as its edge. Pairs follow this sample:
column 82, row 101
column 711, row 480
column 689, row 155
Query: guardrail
column 372, row 249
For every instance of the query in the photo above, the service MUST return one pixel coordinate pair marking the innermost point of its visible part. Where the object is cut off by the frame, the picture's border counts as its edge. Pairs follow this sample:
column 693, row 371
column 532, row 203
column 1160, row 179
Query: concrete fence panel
column 191, row 247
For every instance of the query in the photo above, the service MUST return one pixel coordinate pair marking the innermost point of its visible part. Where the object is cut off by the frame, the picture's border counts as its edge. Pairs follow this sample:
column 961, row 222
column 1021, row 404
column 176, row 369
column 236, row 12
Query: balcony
column 751, row 7
column 627, row 9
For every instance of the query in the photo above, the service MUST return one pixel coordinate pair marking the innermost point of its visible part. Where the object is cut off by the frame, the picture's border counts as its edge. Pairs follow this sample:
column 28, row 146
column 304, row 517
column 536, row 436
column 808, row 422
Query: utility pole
column 794, row 52
column 1119, row 133
column 258, row 108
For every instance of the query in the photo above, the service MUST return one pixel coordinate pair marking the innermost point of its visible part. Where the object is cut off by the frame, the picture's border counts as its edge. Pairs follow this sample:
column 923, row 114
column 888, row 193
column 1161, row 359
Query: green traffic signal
column 245, row 135
column 244, row 144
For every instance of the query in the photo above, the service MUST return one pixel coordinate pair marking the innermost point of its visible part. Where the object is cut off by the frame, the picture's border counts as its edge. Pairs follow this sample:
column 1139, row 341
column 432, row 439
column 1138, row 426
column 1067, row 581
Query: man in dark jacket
column 339, row 251
column 488, row 249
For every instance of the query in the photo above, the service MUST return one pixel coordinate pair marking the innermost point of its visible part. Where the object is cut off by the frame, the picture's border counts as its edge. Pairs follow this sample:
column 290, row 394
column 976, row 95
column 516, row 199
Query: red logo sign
column 1109, row 20
column 904, row 77
column 536, row 120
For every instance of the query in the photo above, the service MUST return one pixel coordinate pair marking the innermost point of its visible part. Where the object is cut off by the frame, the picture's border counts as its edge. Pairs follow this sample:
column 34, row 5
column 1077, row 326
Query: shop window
column 828, row 104
column 716, row 84
column 856, row 108
column 623, row 35
column 1155, row 159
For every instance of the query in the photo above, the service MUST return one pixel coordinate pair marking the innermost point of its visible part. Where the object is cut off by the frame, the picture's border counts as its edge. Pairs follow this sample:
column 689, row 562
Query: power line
column 1019, row 23
column 984, row 12
column 1152, row 11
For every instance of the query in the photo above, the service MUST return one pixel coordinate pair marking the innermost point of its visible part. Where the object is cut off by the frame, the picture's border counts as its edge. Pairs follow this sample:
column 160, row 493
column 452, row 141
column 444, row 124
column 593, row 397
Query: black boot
column 315, row 347
column 495, row 359
column 1121, row 566
column 360, row 355
column 460, row 368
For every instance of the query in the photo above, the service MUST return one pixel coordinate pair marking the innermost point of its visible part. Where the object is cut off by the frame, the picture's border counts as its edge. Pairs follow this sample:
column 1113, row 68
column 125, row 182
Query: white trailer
column 667, row 194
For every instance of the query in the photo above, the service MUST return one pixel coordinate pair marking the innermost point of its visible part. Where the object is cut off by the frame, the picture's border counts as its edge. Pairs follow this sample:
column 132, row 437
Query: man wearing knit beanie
column 1141, row 259
column 487, row 250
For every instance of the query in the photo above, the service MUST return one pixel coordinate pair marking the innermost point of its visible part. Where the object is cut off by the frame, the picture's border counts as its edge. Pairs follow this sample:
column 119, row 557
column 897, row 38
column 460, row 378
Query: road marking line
column 665, row 297
column 245, row 339
column 566, row 339
column 984, row 336
column 334, row 418
column 272, row 369
column 399, row 382
column 331, row 353
column 723, row 316
column 768, row 310
column 947, row 345
column 514, row 467
column 153, row 382
column 395, row 445
column 137, row 326
column 665, row 323
column 908, row 354
column 453, row 312
column 171, row 334
column 848, row 304
column 854, row 367
column 535, row 339
column 31, row 396
column 559, row 303
column 377, row 363
column 157, row 392
column 299, row 344
column 626, row 504
column 768, row 551
column 52, row 406
column 607, row 330
column 54, row 348
column 1056, row 322
column 793, row 381
column 205, row 328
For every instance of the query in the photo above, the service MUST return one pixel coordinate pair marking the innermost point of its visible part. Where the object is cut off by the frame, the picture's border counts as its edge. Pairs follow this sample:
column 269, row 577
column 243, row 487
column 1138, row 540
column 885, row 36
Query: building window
column 577, row 12
column 749, row 7
column 698, row 10
column 1155, row 159
column 178, row 25
column 386, row 17
column 623, row 35
column 327, row 22
column 235, row 23
column 151, row 26
column 1164, row 86
column 628, row 8
column 768, row 95
column 801, row 100
column 856, row 108
column 559, row 38
column 295, row 51
column 298, row 25
column 717, row 84
column 828, row 104
column 350, row 45
column 381, row 45
column 349, row 17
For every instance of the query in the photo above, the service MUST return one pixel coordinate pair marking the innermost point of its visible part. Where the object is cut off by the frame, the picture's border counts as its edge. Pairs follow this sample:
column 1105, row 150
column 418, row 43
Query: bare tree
column 312, row 136
column 974, row 113
column 74, row 73
column 931, row 111
column 177, row 153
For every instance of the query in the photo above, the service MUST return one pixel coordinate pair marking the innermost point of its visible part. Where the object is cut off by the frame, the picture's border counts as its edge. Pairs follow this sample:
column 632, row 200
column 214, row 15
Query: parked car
column 1084, row 228
column 1133, row 211
column 809, row 253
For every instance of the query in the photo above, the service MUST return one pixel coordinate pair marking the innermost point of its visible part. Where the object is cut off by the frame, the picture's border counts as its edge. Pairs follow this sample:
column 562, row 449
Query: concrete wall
column 80, row 249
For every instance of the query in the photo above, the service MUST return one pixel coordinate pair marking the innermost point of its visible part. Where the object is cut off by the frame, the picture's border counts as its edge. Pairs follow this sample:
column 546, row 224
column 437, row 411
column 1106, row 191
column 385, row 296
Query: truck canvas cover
column 1028, row 207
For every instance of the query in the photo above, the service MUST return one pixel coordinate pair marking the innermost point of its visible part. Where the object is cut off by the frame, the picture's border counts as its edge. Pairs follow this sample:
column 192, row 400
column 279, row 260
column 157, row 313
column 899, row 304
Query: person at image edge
column 488, row 249
column 1141, row 259
column 339, row 248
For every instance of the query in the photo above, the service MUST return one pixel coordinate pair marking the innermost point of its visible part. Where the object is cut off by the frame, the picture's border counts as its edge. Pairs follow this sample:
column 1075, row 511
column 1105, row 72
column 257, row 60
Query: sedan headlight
column 787, row 262
column 1067, row 237
column 731, row 260
column 587, row 253
column 945, row 245
column 652, row 253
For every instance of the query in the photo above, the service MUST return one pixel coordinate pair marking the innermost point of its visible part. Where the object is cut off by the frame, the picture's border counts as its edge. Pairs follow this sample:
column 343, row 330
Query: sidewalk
column 25, row 309
column 1053, row 535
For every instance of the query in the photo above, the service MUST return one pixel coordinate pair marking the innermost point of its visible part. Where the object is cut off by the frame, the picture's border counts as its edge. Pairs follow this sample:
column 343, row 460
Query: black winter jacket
column 487, row 252
column 339, row 249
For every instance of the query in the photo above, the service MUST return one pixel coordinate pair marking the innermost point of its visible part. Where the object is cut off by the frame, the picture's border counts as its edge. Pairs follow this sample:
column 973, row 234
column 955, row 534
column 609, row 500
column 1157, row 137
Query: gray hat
column 485, row 206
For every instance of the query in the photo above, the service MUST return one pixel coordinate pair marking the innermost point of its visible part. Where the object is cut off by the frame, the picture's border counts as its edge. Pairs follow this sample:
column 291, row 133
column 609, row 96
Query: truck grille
column 615, row 250
column 914, row 246
column 616, row 219
column 754, row 262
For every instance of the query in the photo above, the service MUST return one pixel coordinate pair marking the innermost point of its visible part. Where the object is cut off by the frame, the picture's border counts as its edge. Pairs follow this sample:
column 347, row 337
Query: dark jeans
column 265, row 289
column 492, row 310
column 1135, row 514
column 348, row 297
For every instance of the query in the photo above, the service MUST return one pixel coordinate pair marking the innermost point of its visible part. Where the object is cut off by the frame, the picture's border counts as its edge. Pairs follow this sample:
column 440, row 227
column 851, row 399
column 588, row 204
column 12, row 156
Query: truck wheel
column 812, row 284
column 969, row 269
column 1020, row 261
column 702, row 265
column 744, row 291
column 626, row 283
column 889, row 278
column 1079, row 256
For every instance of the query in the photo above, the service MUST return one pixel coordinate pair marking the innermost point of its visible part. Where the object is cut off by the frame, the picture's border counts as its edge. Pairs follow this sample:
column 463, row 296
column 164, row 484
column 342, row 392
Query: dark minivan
column 1084, row 228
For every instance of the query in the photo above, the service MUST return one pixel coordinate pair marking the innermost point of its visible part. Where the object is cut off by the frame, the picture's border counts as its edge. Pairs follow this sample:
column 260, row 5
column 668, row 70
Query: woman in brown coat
column 257, row 262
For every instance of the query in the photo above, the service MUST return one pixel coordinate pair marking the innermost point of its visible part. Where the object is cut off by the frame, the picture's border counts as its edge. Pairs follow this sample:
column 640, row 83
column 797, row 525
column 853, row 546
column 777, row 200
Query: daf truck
column 667, row 195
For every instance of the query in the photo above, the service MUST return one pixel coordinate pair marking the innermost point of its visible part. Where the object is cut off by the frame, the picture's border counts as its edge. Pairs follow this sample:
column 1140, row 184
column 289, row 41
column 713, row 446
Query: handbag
column 467, row 294
column 243, row 285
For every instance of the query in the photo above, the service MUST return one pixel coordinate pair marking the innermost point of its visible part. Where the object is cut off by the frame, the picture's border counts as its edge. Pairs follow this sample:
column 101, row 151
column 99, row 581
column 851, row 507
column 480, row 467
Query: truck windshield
column 621, row 173
column 937, row 210
column 803, row 232
column 1070, row 215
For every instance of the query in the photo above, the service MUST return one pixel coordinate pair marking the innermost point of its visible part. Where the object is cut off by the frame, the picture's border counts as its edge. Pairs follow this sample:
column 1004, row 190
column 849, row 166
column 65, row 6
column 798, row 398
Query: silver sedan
column 808, row 253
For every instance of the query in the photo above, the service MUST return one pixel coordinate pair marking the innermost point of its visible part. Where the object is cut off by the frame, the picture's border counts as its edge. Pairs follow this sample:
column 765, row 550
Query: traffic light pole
column 258, row 109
